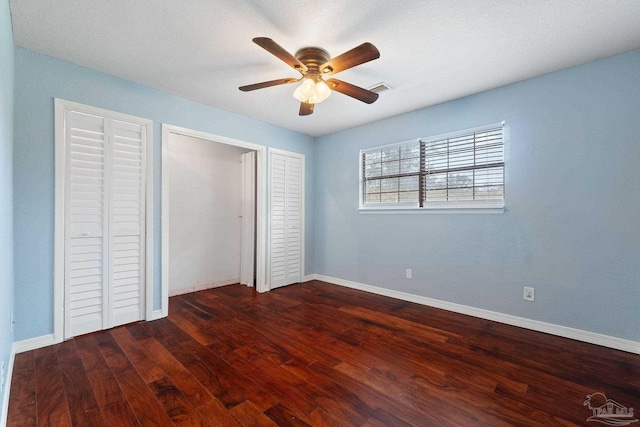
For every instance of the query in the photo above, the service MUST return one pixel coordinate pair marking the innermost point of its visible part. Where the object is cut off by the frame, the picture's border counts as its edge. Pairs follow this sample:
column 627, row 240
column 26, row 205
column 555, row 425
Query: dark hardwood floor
column 315, row 354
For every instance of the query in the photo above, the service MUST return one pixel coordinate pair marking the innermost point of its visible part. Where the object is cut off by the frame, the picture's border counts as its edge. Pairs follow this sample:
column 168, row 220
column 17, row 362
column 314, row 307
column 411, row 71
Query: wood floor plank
column 22, row 402
column 180, row 318
column 250, row 416
column 321, row 418
column 139, row 331
column 179, row 409
column 179, row 375
column 164, row 329
column 232, row 380
column 289, row 339
column 320, row 355
column 443, row 390
column 391, row 410
column 53, row 410
column 342, row 403
column 221, row 380
column 83, row 407
column 286, row 387
column 111, row 400
column 105, row 387
column 283, row 416
column 140, row 359
column 447, row 365
column 119, row 414
column 398, row 324
column 227, row 336
column 140, row 398
column 215, row 414
column 113, row 354
column 142, row 401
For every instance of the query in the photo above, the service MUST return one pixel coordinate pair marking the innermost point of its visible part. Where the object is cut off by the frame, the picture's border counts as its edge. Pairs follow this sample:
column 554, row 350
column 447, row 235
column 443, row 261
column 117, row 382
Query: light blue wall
column 39, row 79
column 6, row 185
column 572, row 223
column 573, row 194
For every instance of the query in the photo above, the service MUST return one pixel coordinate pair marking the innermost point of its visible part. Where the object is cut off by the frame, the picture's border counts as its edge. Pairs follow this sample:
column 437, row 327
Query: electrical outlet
column 408, row 273
column 529, row 294
column 13, row 322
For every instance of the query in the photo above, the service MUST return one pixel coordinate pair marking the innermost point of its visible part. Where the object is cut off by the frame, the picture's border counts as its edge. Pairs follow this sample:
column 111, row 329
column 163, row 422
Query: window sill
column 439, row 208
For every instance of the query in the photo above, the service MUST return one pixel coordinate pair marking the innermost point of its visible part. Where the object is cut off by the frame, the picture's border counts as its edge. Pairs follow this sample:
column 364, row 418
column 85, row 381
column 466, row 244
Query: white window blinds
column 465, row 166
column 469, row 166
column 392, row 174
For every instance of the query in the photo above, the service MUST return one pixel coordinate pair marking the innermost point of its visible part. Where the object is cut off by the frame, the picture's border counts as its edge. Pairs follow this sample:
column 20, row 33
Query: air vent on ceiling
column 380, row 87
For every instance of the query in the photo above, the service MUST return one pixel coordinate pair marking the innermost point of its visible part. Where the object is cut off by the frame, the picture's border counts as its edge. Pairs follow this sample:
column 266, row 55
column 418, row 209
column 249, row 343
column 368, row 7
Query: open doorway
column 207, row 204
column 212, row 213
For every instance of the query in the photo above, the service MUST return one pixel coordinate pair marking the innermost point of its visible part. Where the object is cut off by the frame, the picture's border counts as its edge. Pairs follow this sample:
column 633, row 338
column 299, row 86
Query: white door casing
column 102, row 270
column 247, row 256
column 286, row 218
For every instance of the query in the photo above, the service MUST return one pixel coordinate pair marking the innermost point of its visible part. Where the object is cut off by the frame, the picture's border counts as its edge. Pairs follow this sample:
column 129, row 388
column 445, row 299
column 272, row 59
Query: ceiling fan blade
column 277, row 50
column 270, row 83
column 353, row 91
column 358, row 55
column 306, row 108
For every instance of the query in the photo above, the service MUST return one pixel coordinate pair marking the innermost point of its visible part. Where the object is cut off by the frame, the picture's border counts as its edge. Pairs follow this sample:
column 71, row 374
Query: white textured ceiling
column 431, row 51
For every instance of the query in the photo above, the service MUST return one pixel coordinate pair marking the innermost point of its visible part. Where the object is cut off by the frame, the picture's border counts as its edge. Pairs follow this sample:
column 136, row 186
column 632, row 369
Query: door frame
column 167, row 130
column 302, row 211
column 60, row 106
column 248, row 213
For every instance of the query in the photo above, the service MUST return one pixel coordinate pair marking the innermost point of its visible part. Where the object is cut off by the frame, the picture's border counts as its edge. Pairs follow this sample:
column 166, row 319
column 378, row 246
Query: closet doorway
column 212, row 213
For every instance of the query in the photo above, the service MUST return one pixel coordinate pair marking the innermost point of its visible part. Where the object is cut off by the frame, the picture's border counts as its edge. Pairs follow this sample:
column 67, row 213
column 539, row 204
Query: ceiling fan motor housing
column 312, row 58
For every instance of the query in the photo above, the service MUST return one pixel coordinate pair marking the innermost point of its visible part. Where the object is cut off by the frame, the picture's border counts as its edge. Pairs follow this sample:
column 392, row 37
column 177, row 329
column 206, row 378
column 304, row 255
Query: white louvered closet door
column 293, row 218
column 104, row 223
column 127, row 223
column 85, row 224
column 286, row 214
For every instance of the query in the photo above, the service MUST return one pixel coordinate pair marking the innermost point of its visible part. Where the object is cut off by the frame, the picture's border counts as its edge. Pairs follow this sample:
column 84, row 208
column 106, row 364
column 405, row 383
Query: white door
column 286, row 213
column 127, row 223
column 104, row 222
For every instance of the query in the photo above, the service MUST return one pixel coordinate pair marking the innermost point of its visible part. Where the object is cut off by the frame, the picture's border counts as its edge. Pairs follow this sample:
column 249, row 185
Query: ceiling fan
column 314, row 63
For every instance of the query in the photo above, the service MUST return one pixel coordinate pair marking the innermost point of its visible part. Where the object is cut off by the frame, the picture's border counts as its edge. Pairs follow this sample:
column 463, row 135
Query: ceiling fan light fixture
column 305, row 91
column 312, row 91
column 322, row 90
column 314, row 63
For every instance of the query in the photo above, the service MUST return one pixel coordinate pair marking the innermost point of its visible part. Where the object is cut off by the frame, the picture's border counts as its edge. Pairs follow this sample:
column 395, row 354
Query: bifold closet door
column 285, row 210
column 127, row 223
column 104, row 222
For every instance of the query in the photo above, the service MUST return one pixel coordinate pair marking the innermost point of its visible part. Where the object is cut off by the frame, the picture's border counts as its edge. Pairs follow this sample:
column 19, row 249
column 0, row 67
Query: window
column 462, row 169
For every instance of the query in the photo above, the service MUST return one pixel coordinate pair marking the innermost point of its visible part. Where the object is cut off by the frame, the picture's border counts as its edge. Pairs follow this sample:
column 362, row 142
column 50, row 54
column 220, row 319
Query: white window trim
column 459, row 207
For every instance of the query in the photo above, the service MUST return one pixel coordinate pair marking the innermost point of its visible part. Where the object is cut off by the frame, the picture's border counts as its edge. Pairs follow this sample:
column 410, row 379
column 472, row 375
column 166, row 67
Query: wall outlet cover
column 529, row 293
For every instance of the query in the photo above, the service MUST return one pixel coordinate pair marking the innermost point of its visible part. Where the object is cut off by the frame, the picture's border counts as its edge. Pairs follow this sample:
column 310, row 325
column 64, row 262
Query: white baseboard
column 7, row 387
column 308, row 278
column 34, row 343
column 189, row 289
column 536, row 325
